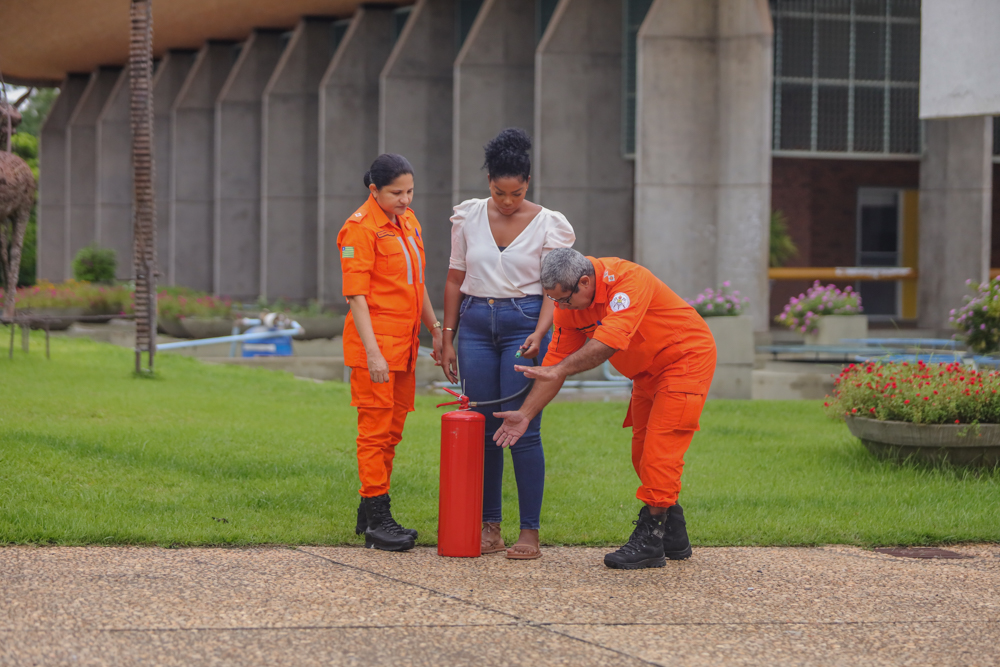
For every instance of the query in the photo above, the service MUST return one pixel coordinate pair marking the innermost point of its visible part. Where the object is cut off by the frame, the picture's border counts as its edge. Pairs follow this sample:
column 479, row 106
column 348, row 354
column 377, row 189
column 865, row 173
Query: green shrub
column 782, row 246
column 920, row 393
column 95, row 265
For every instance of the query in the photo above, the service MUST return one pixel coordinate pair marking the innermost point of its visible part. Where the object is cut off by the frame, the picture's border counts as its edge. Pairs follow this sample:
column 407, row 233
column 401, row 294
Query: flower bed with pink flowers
column 719, row 302
column 802, row 313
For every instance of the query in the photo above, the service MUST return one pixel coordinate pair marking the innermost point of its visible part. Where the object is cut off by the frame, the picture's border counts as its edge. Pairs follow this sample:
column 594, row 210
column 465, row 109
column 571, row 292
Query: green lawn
column 89, row 454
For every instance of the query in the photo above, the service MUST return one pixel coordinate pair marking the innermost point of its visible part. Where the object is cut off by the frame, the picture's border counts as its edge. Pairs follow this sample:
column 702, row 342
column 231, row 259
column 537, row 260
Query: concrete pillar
column 579, row 167
column 168, row 80
column 348, row 134
column 703, row 146
column 81, row 179
column 192, row 230
column 238, row 167
column 53, row 197
column 415, row 120
column 290, row 159
column 956, row 174
column 494, row 88
column 114, row 176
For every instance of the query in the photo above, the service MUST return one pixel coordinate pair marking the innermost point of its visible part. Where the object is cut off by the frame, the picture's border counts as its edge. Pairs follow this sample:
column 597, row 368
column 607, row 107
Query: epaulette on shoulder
column 358, row 217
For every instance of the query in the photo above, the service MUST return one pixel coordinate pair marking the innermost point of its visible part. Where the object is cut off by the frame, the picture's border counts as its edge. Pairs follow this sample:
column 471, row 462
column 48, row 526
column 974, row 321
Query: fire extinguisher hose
column 524, row 390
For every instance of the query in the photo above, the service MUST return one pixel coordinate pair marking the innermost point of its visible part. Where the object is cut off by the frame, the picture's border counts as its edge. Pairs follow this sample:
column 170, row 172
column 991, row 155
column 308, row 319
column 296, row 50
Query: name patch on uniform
column 347, row 252
column 620, row 301
column 385, row 235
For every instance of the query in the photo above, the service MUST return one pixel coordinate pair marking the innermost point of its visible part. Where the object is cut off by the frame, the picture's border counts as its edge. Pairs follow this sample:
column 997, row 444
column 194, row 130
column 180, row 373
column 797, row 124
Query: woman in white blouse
column 493, row 297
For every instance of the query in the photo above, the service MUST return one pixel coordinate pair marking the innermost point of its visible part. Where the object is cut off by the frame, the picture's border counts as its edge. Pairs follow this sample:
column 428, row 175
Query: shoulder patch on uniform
column 608, row 277
column 347, row 252
column 358, row 216
column 620, row 301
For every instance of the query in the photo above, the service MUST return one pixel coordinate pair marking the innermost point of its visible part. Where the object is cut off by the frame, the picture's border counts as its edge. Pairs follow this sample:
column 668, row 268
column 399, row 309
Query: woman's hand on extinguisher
column 532, row 345
column 515, row 423
column 449, row 361
column 378, row 367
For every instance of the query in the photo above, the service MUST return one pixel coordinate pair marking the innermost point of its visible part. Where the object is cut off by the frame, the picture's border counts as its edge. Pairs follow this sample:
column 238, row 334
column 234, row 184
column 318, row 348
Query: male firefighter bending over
column 609, row 308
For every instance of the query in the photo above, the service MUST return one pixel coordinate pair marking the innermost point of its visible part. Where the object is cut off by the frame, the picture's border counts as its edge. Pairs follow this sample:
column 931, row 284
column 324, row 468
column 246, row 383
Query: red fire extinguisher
column 460, row 494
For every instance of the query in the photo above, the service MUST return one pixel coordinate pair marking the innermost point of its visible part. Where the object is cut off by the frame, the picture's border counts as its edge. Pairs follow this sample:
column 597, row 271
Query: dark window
column 338, row 31
column 878, row 245
column 399, row 18
column 634, row 13
column 544, row 9
column 465, row 15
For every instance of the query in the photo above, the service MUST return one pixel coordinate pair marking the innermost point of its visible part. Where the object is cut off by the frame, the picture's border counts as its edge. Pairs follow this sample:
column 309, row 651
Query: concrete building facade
column 667, row 131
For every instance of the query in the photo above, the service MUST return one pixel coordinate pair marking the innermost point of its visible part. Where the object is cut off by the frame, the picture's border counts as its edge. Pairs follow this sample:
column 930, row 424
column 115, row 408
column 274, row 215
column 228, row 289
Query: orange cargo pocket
column 390, row 257
column 368, row 394
column 676, row 411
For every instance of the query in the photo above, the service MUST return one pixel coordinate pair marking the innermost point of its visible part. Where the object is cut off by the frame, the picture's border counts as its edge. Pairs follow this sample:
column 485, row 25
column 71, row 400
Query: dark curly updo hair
column 507, row 154
column 386, row 168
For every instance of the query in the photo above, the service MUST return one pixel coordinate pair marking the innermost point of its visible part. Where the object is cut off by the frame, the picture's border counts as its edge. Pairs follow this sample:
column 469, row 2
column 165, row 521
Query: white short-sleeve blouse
column 516, row 271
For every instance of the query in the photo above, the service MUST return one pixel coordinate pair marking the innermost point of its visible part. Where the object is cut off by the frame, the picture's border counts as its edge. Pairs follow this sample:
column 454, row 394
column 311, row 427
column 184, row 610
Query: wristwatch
column 436, row 325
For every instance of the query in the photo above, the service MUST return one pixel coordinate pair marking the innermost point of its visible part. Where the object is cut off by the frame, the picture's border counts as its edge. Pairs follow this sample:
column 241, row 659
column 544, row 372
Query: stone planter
column 734, row 363
column 207, row 327
column 958, row 444
column 319, row 326
column 831, row 329
column 172, row 327
column 57, row 319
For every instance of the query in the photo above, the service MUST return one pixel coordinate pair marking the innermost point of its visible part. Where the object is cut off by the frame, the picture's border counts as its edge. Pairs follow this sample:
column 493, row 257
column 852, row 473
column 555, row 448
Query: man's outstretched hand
column 513, row 427
column 538, row 372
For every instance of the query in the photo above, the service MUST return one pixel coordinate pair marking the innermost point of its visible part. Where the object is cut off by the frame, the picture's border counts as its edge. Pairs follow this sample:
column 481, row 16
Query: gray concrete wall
column 579, row 168
column 192, row 161
column 53, row 174
column 703, row 127
column 168, row 80
column 415, row 120
column 494, row 88
column 81, row 180
column 290, row 157
column 348, row 135
column 955, row 214
column 114, row 176
column 238, row 167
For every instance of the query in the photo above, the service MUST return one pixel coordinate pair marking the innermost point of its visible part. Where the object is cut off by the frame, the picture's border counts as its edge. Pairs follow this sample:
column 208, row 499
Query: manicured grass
column 90, row 454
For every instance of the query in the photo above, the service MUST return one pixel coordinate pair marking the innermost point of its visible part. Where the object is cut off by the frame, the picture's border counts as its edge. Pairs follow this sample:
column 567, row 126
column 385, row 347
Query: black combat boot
column 362, row 524
column 644, row 547
column 676, row 545
column 382, row 532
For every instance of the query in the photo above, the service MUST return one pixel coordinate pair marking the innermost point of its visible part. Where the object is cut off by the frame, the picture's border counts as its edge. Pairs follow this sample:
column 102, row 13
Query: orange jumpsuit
column 383, row 261
column 666, row 348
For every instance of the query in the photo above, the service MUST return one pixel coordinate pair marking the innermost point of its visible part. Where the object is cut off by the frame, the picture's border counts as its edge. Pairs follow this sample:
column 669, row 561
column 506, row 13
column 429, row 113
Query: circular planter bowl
column 57, row 319
column 172, row 327
column 319, row 326
column 957, row 444
column 207, row 327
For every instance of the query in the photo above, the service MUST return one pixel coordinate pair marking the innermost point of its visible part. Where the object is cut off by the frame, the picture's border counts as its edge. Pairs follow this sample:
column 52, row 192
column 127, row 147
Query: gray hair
column 565, row 267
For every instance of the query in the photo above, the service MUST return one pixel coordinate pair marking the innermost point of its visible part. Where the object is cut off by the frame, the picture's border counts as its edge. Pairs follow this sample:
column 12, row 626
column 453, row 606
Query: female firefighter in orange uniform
column 382, row 260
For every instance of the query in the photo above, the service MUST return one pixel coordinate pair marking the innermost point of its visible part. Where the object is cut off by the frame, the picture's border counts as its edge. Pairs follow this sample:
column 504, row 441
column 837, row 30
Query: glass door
column 878, row 244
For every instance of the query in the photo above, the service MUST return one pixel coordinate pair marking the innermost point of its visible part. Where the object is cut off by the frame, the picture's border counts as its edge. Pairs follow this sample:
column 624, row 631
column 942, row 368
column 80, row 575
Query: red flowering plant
column 916, row 392
column 178, row 306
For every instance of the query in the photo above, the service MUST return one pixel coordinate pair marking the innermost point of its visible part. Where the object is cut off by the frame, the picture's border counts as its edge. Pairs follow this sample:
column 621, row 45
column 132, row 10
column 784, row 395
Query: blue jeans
column 490, row 332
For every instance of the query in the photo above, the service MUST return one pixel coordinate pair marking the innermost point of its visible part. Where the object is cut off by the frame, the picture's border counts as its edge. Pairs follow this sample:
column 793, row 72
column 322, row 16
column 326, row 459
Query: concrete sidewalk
column 351, row 606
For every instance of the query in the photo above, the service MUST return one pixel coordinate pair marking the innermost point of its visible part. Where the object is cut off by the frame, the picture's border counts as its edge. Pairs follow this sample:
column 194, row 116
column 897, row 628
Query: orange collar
column 381, row 219
column 601, row 288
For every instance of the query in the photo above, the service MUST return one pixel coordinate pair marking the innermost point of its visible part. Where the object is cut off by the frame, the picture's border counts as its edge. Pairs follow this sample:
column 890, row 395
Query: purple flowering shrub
column 802, row 313
column 716, row 302
column 978, row 321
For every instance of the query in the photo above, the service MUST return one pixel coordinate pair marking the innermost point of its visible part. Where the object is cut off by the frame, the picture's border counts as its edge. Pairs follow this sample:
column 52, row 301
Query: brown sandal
column 491, row 541
column 523, row 552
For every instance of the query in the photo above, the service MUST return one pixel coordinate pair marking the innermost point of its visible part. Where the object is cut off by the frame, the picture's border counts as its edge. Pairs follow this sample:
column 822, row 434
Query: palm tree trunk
column 143, row 206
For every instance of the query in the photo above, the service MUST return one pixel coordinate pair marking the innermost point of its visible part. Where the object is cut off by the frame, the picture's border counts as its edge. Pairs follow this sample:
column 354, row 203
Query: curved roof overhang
column 41, row 41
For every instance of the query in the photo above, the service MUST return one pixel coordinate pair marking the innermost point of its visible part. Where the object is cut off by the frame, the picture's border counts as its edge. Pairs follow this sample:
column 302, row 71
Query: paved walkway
column 351, row 606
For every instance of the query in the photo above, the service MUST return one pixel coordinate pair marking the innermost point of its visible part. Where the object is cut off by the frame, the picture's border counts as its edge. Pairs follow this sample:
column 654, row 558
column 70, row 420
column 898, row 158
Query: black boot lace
column 639, row 539
column 385, row 519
